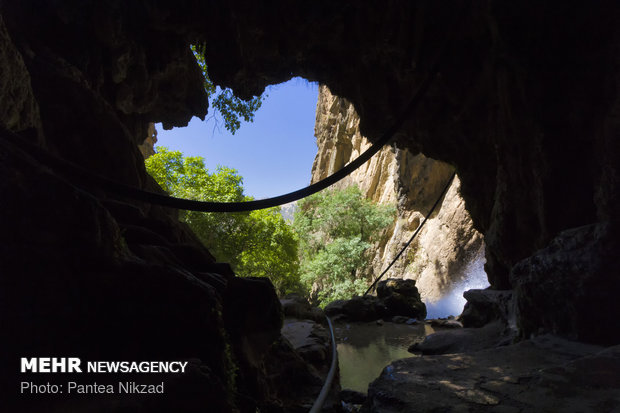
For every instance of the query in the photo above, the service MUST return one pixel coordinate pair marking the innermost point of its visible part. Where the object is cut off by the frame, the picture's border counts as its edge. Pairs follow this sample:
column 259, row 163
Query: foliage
column 335, row 229
column 231, row 107
column 258, row 243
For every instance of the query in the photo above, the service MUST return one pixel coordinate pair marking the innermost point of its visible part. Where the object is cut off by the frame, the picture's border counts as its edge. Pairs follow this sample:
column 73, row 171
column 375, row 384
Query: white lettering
column 44, row 365
column 29, row 365
column 50, row 365
column 74, row 365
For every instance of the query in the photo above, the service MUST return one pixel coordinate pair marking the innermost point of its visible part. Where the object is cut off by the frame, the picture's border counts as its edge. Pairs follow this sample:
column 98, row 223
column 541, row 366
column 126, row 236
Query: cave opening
column 273, row 152
column 269, row 152
column 525, row 105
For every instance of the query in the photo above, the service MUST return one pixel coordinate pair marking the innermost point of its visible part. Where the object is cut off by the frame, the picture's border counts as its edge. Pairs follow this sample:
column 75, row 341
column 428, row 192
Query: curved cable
column 88, row 178
column 318, row 403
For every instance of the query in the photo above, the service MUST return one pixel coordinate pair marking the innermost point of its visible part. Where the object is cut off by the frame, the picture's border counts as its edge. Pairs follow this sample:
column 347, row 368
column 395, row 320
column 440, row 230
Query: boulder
column 293, row 383
column 253, row 316
column 366, row 308
column 396, row 299
column 485, row 306
column 445, row 323
column 295, row 306
column 401, row 298
column 461, row 340
column 310, row 340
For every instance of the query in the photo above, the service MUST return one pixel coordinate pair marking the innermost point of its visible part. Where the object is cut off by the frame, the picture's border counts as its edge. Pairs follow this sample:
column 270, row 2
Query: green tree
column 335, row 229
column 231, row 107
column 258, row 243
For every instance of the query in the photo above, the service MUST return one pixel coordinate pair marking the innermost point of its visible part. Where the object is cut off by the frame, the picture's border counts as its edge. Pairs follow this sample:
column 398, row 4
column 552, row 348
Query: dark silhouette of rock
column 366, row 308
column 560, row 288
column 295, row 306
column 396, row 298
column 486, row 306
column 401, row 297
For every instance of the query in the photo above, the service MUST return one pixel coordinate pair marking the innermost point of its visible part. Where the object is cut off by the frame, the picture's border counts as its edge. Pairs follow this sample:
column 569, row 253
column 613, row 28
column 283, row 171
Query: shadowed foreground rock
column 546, row 374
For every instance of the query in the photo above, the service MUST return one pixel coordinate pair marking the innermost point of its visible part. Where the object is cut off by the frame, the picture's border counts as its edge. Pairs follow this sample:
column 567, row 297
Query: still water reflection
column 364, row 349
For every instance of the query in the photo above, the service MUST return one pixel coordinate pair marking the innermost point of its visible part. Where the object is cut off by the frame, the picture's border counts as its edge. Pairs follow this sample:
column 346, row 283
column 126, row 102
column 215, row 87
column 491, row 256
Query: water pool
column 365, row 349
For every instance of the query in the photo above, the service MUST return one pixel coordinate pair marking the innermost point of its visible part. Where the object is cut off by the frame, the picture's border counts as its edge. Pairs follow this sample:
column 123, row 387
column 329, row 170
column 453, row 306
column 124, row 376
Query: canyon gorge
column 447, row 245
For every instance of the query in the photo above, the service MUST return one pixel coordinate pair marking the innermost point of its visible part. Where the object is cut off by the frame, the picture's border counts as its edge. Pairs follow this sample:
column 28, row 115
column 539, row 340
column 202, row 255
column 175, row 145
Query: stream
column 365, row 349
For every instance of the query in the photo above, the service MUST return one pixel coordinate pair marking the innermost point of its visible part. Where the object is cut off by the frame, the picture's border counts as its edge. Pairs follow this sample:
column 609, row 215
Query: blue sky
column 273, row 154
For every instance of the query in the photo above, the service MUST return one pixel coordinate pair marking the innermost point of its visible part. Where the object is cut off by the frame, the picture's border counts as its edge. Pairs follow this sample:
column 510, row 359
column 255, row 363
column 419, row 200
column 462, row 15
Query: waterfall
column 452, row 303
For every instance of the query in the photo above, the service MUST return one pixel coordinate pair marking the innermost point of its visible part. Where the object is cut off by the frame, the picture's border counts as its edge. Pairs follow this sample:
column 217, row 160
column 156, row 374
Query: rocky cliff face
column 147, row 148
column 442, row 252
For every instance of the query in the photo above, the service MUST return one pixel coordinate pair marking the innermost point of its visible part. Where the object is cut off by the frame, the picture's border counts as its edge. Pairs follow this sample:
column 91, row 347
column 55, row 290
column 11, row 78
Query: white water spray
column 452, row 303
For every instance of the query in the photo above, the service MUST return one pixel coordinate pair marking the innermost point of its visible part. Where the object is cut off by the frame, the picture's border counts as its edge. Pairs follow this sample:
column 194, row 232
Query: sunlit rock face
column 147, row 148
column 447, row 244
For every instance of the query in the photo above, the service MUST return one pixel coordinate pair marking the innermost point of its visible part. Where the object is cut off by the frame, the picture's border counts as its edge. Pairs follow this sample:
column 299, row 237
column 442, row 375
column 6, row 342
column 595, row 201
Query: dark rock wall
column 84, row 275
column 525, row 106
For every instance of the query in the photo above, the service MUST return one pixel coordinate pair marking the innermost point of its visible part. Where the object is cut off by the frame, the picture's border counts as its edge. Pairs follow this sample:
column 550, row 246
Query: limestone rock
column 147, row 148
column 485, row 306
column 397, row 299
column 366, row 308
column 546, row 374
column 438, row 257
column 296, row 306
column 401, row 298
column 18, row 108
column 560, row 288
column 461, row 340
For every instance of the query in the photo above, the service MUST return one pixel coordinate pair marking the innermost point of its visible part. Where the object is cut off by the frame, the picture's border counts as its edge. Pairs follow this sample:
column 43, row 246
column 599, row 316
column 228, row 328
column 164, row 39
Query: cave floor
column 546, row 374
